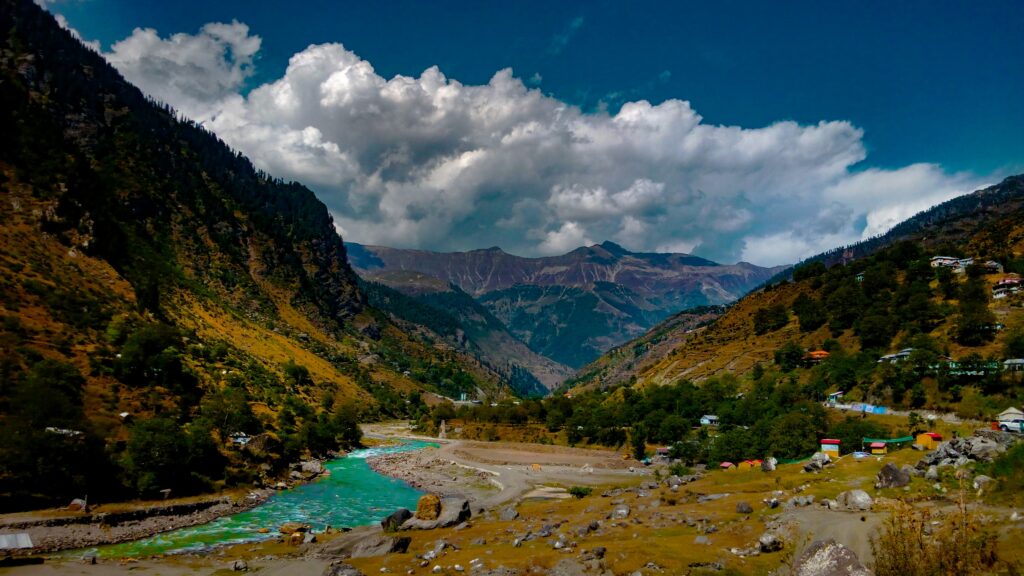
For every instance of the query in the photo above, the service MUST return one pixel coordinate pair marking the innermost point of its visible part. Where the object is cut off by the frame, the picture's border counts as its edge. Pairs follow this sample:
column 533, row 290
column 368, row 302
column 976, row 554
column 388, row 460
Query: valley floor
column 631, row 521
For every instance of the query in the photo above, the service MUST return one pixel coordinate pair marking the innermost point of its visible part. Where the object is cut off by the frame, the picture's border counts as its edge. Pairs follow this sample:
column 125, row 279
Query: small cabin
column 815, row 356
column 928, row 440
column 878, row 448
column 1013, row 364
column 835, row 397
column 709, row 420
column 830, row 446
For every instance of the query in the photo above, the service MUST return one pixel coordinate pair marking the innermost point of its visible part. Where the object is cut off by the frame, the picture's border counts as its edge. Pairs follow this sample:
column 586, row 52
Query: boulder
column 769, row 542
column 429, row 507
column 311, row 468
column 932, row 473
column 769, row 464
column 364, row 543
column 910, row 470
column 981, row 481
column 892, row 477
column 828, row 558
column 342, row 569
column 240, row 566
column 744, row 507
column 292, row 527
column 508, row 513
column 621, row 512
column 395, row 519
column 453, row 510
column 854, row 500
column 702, row 540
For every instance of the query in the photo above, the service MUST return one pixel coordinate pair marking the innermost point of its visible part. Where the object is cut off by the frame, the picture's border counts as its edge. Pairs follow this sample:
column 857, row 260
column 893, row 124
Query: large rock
column 311, row 468
column 342, row 569
column 744, row 507
column 395, row 519
column 364, row 543
column 769, row 464
column 828, row 558
column 892, row 477
column 293, row 527
column 454, row 510
column 429, row 507
column 769, row 542
column 854, row 500
column 509, row 513
column 818, row 461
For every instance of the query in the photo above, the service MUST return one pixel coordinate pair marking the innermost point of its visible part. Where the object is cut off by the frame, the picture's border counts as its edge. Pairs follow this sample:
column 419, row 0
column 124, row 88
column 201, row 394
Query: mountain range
column 568, row 308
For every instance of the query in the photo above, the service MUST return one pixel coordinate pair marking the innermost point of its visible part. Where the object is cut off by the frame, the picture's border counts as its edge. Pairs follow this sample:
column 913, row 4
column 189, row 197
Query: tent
column 928, row 440
column 1010, row 413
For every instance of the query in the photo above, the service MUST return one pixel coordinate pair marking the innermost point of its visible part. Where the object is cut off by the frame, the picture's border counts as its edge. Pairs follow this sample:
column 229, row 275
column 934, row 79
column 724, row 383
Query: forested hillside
column 162, row 301
column 894, row 299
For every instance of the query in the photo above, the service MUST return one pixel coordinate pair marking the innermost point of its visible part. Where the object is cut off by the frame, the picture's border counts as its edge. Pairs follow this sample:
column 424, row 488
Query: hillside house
column 992, row 267
column 959, row 265
column 1013, row 365
column 878, row 448
column 709, row 420
column 897, row 357
column 835, row 397
column 1006, row 286
column 830, row 446
column 928, row 440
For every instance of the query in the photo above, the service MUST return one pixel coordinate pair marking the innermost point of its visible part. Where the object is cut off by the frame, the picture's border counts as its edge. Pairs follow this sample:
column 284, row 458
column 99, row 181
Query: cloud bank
column 432, row 163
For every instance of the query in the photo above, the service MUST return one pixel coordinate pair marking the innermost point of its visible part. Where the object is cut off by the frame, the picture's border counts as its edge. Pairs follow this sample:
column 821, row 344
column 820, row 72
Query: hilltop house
column 709, row 420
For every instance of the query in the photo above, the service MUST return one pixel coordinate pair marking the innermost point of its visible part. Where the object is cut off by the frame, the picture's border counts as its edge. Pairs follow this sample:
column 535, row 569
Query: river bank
column 57, row 530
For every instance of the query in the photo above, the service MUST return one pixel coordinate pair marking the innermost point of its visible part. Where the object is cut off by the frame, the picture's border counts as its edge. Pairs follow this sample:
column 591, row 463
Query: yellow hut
column 928, row 440
column 879, row 448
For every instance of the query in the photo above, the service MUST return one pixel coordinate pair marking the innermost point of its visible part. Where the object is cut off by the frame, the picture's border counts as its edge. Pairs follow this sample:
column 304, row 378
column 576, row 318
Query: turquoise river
column 351, row 495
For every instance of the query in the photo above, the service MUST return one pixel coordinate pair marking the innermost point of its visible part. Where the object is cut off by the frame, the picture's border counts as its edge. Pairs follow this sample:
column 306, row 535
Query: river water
column 352, row 495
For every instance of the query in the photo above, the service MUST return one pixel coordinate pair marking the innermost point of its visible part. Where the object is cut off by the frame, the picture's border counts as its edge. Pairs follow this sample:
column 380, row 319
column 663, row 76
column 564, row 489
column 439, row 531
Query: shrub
column 580, row 491
column 956, row 544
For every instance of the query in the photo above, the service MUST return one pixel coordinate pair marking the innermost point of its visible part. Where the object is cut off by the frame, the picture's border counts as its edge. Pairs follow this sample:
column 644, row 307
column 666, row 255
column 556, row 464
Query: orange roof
column 817, row 354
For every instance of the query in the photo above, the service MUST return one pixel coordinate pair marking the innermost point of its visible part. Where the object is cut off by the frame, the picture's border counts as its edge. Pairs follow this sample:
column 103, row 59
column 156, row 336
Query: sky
column 764, row 132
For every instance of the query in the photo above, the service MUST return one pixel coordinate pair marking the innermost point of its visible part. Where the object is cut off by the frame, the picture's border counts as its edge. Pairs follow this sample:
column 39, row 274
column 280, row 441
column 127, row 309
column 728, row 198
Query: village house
column 709, row 420
column 1006, row 286
column 878, row 448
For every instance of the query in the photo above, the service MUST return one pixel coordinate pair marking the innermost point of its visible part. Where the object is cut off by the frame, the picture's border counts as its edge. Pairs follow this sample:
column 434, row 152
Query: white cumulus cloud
column 427, row 161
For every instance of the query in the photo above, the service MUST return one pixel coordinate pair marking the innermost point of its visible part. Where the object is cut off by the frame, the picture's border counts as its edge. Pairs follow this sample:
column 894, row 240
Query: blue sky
column 936, row 85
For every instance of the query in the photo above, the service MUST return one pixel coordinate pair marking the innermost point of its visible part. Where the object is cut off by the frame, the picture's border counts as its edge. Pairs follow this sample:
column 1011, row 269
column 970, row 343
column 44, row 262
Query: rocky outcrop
column 744, row 507
column 341, row 569
column 983, row 446
column 828, row 558
column 892, row 477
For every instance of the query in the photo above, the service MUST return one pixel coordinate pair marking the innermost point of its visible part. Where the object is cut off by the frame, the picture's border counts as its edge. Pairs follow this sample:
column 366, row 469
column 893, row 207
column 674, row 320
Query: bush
column 770, row 319
column 580, row 491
